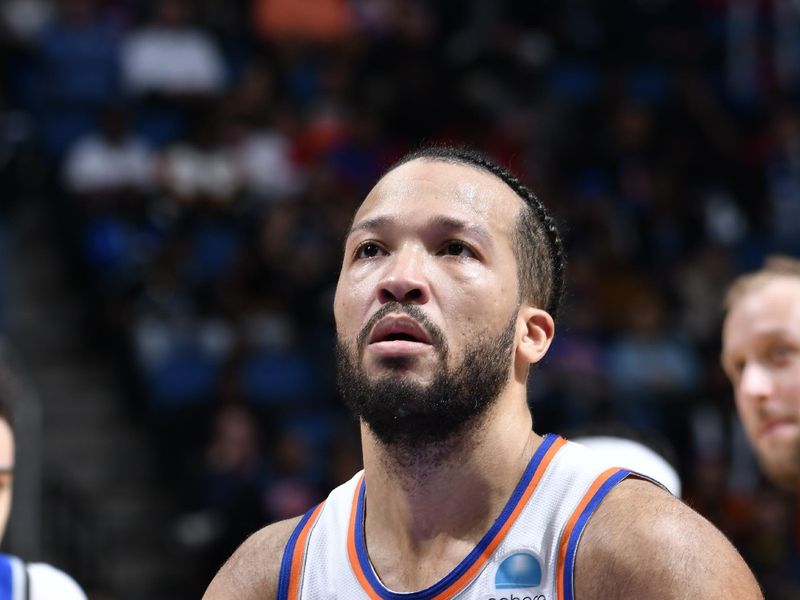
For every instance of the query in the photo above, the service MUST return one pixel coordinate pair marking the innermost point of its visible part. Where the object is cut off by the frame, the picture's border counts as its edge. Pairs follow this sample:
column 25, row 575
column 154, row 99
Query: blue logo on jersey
column 520, row 570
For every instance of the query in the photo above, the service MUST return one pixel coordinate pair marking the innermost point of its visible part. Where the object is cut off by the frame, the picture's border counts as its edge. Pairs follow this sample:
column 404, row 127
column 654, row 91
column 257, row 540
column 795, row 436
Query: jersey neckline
column 473, row 563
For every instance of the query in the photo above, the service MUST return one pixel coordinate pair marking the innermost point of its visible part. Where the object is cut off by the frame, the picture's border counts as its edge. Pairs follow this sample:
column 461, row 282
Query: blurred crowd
column 203, row 160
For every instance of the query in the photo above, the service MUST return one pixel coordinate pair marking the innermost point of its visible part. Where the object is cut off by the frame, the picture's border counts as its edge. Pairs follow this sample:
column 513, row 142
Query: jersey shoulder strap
column 296, row 552
column 14, row 581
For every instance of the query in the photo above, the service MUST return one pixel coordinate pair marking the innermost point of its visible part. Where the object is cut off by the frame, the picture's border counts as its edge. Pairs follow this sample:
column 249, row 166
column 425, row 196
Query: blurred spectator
column 708, row 493
column 235, row 471
column 292, row 484
column 313, row 20
column 225, row 500
column 201, row 171
column 654, row 373
column 787, row 44
column 783, row 176
column 262, row 131
column 361, row 154
column 24, row 20
column 268, row 170
column 107, row 167
column 700, row 283
column 79, row 72
column 576, row 374
column 773, row 546
column 171, row 57
column 17, row 154
column 79, row 54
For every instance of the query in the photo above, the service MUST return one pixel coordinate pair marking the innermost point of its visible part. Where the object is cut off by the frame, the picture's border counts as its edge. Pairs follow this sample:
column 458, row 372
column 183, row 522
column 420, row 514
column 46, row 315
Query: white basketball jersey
column 35, row 581
column 528, row 554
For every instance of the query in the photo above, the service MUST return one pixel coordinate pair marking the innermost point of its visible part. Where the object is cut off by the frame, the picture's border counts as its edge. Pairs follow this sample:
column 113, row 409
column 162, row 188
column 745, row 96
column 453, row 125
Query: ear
column 538, row 334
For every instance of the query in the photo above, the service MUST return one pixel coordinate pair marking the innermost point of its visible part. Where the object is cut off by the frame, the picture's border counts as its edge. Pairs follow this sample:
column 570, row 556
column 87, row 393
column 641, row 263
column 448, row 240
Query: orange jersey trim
column 298, row 556
column 469, row 571
column 596, row 492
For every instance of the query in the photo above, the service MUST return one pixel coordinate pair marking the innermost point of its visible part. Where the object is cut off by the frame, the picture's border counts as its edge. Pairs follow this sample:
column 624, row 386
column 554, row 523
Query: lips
column 399, row 328
column 774, row 425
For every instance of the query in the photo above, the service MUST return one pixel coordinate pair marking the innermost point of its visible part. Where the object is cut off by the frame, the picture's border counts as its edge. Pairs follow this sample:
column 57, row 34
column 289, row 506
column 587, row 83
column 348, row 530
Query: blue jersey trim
column 580, row 524
column 288, row 553
column 443, row 584
column 6, row 577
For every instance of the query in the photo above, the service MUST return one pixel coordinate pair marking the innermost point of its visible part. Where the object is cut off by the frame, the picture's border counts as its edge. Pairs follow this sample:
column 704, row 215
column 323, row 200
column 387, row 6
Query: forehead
column 769, row 310
column 427, row 187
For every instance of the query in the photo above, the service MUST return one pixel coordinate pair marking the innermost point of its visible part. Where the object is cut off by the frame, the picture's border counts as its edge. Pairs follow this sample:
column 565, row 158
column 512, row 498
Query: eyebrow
column 767, row 336
column 375, row 223
column 438, row 222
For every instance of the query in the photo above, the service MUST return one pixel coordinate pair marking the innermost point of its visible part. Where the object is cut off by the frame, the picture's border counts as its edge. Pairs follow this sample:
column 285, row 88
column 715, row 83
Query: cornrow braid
column 541, row 260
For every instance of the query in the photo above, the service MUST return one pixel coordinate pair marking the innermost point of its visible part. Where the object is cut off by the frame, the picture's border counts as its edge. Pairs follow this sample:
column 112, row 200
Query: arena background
column 176, row 179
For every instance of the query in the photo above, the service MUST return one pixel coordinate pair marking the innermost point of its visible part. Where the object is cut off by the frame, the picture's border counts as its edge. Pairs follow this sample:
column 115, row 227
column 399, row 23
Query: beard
column 416, row 417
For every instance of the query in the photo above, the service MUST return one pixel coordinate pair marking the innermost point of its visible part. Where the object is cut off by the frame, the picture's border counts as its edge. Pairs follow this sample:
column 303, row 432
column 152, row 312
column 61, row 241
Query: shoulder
column 252, row 571
column 48, row 583
column 644, row 543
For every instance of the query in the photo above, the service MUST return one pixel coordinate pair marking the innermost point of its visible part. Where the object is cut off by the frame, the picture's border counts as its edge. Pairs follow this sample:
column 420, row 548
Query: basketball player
column 452, row 272
column 20, row 580
column 761, row 356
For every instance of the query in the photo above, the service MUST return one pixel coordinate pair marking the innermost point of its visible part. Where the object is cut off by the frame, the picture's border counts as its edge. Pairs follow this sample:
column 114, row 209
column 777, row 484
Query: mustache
column 413, row 311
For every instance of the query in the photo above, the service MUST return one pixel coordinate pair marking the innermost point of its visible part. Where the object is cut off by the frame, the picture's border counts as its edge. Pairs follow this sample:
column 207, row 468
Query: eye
column 456, row 248
column 369, row 250
column 779, row 355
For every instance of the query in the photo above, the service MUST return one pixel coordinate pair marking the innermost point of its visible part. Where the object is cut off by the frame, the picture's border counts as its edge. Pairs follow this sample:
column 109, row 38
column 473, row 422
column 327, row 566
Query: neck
column 432, row 505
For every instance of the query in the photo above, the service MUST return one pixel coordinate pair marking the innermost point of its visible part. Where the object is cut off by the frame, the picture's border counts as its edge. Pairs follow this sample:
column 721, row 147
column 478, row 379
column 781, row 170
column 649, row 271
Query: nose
column 756, row 381
column 405, row 279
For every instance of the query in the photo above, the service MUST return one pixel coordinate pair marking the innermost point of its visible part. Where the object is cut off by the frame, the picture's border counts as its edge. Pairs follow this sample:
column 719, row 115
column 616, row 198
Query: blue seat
column 649, row 84
column 106, row 246
column 270, row 379
column 186, row 377
column 573, row 81
column 214, row 248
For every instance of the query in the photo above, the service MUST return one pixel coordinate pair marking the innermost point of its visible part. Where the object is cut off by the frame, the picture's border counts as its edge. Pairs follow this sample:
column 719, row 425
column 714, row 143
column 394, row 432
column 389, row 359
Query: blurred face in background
column 761, row 356
column 6, row 473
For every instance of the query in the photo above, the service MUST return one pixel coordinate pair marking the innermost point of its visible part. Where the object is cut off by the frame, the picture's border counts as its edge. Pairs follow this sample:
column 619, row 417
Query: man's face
column 761, row 356
column 6, row 473
column 427, row 301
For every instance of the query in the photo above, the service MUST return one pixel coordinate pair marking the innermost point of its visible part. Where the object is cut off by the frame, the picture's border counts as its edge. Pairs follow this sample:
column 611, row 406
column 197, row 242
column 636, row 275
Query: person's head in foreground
column 451, row 275
column 761, row 356
column 35, row 581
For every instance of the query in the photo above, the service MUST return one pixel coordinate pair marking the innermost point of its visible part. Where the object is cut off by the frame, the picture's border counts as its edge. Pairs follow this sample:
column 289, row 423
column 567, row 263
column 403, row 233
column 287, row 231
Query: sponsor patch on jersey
column 517, row 578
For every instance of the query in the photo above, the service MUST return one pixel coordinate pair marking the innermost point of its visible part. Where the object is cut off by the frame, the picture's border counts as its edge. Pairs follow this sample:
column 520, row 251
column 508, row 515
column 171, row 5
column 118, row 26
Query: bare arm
column 643, row 543
column 251, row 573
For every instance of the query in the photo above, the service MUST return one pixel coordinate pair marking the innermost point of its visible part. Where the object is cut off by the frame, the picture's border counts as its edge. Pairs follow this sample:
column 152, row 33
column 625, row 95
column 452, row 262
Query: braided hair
column 541, row 261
